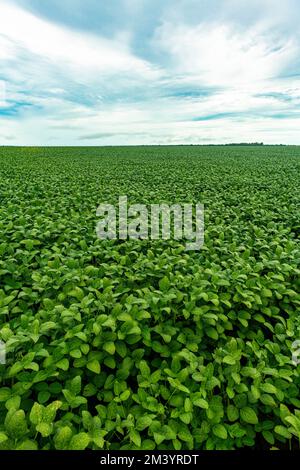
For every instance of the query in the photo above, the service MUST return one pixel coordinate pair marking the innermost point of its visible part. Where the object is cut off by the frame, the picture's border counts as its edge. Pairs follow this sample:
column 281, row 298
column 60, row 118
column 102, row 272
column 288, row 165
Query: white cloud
column 220, row 55
column 82, row 53
column 65, row 84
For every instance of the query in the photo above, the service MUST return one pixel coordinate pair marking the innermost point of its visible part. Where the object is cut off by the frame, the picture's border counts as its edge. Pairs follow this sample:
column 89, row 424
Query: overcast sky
column 105, row 72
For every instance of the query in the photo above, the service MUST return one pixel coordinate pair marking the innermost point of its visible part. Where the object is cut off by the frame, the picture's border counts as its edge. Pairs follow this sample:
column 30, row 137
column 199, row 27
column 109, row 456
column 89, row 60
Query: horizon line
column 233, row 144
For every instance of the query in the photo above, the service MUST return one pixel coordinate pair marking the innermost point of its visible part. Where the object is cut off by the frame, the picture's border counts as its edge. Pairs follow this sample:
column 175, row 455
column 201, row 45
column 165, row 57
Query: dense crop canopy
column 140, row 344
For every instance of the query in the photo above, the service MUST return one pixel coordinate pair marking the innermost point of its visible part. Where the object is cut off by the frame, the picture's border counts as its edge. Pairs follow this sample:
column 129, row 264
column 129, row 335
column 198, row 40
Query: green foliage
column 140, row 344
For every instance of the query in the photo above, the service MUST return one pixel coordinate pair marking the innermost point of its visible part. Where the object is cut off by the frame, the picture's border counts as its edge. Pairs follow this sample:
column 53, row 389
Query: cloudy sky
column 105, row 72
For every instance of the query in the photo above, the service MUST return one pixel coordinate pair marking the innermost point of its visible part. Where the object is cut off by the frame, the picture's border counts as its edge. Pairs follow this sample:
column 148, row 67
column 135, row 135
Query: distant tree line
column 246, row 143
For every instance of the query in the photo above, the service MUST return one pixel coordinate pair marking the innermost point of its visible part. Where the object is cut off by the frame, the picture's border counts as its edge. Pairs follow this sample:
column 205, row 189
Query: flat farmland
column 140, row 344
